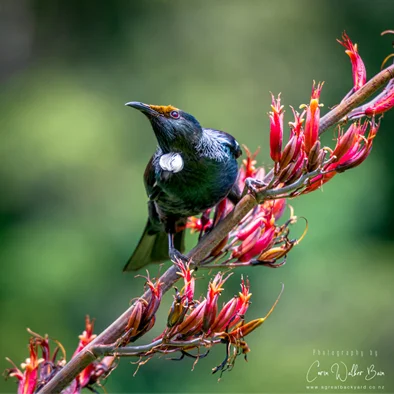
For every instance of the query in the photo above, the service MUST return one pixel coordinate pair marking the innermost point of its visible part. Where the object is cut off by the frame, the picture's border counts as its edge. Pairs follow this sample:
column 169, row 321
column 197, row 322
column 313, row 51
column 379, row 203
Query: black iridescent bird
column 192, row 170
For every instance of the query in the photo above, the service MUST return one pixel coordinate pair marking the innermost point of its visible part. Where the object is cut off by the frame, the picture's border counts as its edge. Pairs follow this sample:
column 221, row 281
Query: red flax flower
column 358, row 67
column 248, row 168
column 383, row 102
column 276, row 128
column 142, row 317
column 312, row 118
column 84, row 339
column 258, row 238
column 28, row 379
column 211, row 306
column 351, row 149
column 234, row 310
column 37, row 371
column 205, row 324
column 183, row 300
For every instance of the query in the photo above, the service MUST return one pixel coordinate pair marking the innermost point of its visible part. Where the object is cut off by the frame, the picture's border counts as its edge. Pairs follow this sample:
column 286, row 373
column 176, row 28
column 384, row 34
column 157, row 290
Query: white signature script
column 340, row 371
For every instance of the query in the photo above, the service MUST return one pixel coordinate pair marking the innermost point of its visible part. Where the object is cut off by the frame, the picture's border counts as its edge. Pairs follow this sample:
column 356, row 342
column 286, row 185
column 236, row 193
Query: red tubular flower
column 233, row 311
column 383, row 102
column 357, row 156
column 187, row 274
column 35, row 370
column 195, row 224
column 154, row 301
column 250, row 228
column 248, row 168
column 276, row 128
column 262, row 243
column 242, row 304
column 277, row 207
column 27, row 380
column 351, row 150
column 312, row 118
column 247, row 244
column 346, row 142
column 87, row 336
column 358, row 67
column 211, row 307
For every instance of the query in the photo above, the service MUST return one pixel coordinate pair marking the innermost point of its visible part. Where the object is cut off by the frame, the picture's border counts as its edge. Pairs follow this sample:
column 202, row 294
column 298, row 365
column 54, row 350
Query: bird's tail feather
column 153, row 248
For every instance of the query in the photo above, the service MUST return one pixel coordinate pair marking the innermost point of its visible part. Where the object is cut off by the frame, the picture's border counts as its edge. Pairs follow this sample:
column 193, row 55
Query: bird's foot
column 177, row 255
column 254, row 185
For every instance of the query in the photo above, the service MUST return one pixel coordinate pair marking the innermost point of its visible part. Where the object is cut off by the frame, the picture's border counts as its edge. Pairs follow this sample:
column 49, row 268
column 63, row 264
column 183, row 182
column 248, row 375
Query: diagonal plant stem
column 87, row 355
column 136, row 351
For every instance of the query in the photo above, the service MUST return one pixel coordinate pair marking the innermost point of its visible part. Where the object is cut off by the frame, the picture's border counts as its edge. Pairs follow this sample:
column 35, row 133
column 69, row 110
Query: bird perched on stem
column 193, row 169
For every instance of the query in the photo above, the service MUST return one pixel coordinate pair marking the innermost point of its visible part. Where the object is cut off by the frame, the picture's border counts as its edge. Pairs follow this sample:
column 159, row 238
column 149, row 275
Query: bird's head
column 174, row 128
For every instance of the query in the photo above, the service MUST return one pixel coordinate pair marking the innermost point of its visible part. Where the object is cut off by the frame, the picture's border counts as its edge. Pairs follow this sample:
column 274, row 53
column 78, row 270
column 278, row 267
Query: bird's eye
column 174, row 114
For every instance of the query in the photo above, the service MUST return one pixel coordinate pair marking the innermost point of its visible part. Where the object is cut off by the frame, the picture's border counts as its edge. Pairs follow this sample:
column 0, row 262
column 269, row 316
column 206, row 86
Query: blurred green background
column 72, row 202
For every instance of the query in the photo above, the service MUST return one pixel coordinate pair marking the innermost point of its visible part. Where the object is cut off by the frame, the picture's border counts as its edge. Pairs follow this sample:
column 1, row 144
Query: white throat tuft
column 171, row 162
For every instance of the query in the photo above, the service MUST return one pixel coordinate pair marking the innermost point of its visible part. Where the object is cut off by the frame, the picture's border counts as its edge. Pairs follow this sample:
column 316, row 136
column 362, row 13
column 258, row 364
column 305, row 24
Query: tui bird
column 193, row 169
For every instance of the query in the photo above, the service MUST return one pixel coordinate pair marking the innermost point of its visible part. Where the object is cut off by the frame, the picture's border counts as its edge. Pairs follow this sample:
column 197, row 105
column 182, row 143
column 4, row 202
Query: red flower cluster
column 383, row 101
column 305, row 165
column 258, row 239
column 302, row 152
column 37, row 371
column 142, row 317
column 352, row 148
column 190, row 319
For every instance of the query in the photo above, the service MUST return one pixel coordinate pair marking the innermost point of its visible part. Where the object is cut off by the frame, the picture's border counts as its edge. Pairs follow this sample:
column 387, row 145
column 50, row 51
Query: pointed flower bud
column 219, row 248
column 313, row 157
column 178, row 310
column 276, row 128
column 290, row 151
column 135, row 317
column 192, row 324
column 358, row 67
column 345, row 142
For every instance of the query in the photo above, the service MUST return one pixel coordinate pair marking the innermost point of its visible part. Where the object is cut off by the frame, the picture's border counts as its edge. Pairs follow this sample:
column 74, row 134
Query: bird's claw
column 176, row 255
column 254, row 185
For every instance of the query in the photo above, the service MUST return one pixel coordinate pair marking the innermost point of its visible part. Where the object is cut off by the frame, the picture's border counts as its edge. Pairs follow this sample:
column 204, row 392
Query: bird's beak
column 144, row 108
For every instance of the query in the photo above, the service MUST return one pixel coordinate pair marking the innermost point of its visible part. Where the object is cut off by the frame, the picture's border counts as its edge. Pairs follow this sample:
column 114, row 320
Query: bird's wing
column 227, row 139
column 151, row 187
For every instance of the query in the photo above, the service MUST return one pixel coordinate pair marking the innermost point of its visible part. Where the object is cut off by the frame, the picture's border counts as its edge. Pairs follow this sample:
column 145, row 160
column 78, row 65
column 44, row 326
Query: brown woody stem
column 87, row 355
column 137, row 351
